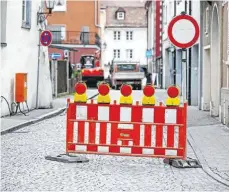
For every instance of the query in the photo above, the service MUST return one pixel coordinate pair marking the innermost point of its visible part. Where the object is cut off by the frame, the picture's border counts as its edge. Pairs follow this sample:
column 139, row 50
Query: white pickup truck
column 126, row 72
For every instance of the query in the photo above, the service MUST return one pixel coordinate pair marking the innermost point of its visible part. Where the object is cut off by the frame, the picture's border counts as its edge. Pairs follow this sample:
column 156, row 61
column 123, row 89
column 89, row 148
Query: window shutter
column 28, row 12
column 228, row 37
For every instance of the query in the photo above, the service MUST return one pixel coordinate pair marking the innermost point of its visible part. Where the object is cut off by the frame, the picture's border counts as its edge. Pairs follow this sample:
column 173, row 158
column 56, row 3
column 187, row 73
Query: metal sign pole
column 38, row 69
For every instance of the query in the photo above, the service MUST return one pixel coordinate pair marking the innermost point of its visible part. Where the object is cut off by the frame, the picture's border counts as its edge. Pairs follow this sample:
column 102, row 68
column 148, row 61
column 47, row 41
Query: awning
column 64, row 48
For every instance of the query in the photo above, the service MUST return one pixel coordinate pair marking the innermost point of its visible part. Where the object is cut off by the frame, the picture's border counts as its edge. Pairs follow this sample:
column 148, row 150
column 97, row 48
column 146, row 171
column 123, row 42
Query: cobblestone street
column 24, row 167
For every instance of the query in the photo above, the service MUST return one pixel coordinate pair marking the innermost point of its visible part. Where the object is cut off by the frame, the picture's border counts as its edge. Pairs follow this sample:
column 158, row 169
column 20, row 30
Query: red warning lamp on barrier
column 173, row 96
column 103, row 97
column 103, row 89
column 80, row 95
column 126, row 90
column 148, row 90
column 173, row 92
column 148, row 98
column 126, row 97
column 80, row 88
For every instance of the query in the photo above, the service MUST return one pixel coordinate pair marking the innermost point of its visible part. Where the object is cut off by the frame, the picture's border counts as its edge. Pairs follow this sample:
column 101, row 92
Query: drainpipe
column 96, row 14
column 147, row 16
column 189, row 62
column 174, row 53
column 161, row 63
column 200, row 76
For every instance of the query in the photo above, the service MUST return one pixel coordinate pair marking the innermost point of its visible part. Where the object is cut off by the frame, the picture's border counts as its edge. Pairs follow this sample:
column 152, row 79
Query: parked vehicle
column 126, row 72
column 91, row 70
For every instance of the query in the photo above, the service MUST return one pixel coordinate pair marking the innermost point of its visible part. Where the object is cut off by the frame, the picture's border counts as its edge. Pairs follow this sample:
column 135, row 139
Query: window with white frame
column 116, row 53
column 26, row 13
column 129, row 53
column 84, row 35
column 165, row 14
column 60, row 5
column 58, row 32
column 206, row 20
column 120, row 15
column 3, row 22
column 117, row 35
column 24, row 10
column 63, row 32
column 129, row 35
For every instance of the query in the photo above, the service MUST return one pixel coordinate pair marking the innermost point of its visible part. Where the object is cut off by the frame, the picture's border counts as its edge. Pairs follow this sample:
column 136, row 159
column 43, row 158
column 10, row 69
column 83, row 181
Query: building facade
column 183, row 74
column 19, row 54
column 75, row 26
column 125, row 34
column 215, row 69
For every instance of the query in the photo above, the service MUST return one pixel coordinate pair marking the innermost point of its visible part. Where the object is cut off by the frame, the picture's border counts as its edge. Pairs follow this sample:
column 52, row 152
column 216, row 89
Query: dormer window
column 120, row 14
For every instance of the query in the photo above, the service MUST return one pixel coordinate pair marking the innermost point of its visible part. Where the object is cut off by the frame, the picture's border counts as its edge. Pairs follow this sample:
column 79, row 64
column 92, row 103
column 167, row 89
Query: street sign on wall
column 183, row 31
column 148, row 53
column 55, row 55
column 46, row 38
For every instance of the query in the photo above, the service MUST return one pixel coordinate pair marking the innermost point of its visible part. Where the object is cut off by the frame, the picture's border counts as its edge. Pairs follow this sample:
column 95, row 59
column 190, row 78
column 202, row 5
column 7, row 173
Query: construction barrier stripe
column 133, row 130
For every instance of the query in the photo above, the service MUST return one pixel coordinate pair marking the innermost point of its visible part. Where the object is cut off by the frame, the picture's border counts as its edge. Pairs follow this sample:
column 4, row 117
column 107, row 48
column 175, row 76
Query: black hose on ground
column 7, row 104
column 17, row 105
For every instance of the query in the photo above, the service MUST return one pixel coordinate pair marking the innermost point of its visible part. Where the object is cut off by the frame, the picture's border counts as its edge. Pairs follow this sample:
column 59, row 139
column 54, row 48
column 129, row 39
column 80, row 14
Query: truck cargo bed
column 128, row 75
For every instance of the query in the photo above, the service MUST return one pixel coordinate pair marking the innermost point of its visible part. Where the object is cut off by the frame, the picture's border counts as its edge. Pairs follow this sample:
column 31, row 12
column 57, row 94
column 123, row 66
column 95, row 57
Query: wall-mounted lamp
column 49, row 4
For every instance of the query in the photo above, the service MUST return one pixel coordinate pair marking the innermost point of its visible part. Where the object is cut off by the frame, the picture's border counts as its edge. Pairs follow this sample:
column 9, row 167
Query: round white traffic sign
column 183, row 31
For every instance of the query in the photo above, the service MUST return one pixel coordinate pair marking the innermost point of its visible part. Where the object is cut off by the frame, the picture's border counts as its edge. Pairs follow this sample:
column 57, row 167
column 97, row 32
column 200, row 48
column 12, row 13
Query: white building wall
column 21, row 56
column 138, row 44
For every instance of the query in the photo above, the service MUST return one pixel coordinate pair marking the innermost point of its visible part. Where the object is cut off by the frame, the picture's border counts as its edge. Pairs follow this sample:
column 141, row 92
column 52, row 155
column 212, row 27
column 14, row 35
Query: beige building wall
column 224, row 115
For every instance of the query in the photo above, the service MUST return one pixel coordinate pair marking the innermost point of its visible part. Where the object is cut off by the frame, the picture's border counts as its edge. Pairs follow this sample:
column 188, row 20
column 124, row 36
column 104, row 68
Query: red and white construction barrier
column 126, row 130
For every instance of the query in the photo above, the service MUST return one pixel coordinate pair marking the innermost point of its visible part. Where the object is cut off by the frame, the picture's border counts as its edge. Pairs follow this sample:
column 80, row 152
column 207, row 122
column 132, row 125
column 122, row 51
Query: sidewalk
column 206, row 136
column 210, row 141
column 12, row 123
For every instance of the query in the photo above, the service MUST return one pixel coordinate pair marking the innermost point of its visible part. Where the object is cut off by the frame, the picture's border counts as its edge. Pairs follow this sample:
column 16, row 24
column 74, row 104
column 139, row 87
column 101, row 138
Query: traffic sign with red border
column 196, row 31
column 46, row 38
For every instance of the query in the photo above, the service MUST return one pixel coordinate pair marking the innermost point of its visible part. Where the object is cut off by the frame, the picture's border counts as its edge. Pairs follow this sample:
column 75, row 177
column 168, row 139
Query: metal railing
column 76, row 37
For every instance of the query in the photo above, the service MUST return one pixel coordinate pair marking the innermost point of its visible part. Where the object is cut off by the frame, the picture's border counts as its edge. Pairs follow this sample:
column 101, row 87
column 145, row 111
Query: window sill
column 3, row 44
column 25, row 26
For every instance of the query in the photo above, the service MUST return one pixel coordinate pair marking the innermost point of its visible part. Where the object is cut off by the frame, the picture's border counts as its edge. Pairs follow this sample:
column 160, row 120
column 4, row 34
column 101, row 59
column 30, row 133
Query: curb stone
column 204, row 163
column 30, row 122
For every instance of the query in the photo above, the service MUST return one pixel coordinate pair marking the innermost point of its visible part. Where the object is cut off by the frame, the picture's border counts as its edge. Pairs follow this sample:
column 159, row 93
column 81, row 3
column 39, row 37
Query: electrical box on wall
column 20, row 87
